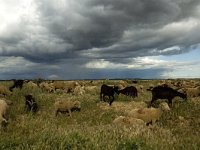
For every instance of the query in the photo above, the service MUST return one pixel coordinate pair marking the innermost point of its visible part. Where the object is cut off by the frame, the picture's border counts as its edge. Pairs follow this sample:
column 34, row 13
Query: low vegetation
column 92, row 127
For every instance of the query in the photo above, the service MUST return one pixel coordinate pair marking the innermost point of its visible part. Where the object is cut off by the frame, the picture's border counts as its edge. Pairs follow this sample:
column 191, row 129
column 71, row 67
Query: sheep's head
column 183, row 95
column 77, row 106
column 164, row 106
column 28, row 97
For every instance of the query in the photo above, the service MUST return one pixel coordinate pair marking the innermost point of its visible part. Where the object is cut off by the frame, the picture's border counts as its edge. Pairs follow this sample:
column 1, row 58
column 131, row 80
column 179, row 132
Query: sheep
column 4, row 91
column 108, row 91
column 168, row 93
column 3, row 112
column 90, row 89
column 123, row 83
column 129, row 91
column 140, row 88
column 63, row 105
column 120, row 86
column 31, row 84
column 149, row 115
column 47, row 87
column 193, row 92
column 17, row 84
column 59, row 85
column 151, row 86
column 79, row 90
column 30, row 104
column 71, row 85
column 125, row 120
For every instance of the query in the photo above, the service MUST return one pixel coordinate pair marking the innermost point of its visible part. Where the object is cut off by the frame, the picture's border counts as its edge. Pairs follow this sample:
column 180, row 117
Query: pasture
column 92, row 127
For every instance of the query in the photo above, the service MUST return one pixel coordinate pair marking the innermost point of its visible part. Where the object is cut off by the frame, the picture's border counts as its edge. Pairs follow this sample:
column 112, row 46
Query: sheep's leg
column 111, row 101
column 56, row 113
column 152, row 100
column 70, row 113
column 100, row 96
column 104, row 98
column 170, row 102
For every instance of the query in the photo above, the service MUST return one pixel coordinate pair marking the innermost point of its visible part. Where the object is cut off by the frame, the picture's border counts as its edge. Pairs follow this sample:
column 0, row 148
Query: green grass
column 92, row 128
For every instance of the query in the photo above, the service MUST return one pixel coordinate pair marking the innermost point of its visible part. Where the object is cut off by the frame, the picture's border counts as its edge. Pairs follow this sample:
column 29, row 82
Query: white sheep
column 48, row 87
column 140, row 88
column 123, row 83
column 149, row 115
column 63, row 105
column 193, row 92
column 127, row 121
column 3, row 111
column 120, row 86
column 31, row 84
column 91, row 89
column 79, row 90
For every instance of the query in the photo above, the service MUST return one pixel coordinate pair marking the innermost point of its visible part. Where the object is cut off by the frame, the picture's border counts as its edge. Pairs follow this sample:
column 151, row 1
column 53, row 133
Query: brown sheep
column 63, row 105
column 59, row 85
column 149, row 115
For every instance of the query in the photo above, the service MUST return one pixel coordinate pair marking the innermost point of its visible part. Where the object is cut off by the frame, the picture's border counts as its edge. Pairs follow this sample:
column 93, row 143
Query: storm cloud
column 80, row 32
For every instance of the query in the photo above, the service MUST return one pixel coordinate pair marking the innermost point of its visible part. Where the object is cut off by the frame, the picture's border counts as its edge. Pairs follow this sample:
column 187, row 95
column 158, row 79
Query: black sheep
column 129, row 91
column 17, row 84
column 108, row 91
column 168, row 93
column 30, row 104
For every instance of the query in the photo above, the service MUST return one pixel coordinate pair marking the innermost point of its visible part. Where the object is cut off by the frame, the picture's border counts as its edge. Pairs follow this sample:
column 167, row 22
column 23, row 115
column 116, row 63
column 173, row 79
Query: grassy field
column 92, row 127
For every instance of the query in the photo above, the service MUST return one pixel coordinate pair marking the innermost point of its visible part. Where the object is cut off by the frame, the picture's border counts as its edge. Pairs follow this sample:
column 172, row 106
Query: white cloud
column 19, row 64
column 14, row 63
column 173, row 68
column 103, row 64
column 53, row 77
column 135, row 63
column 11, row 12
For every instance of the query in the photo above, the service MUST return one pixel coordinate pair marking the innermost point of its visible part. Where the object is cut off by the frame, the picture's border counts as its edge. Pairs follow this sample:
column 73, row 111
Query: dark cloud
column 113, row 30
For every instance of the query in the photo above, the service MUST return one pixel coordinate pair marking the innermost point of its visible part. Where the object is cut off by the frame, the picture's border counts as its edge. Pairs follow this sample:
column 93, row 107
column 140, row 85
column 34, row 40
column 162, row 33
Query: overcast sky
column 95, row 39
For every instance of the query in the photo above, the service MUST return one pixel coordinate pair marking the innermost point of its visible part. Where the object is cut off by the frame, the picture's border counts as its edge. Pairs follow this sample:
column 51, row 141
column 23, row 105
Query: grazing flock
column 164, row 90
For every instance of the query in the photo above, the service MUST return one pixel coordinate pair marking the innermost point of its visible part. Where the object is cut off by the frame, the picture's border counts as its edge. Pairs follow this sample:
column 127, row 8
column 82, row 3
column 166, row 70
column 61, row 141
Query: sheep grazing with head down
column 3, row 112
column 62, row 105
column 30, row 104
column 149, row 115
column 129, row 91
column 168, row 93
